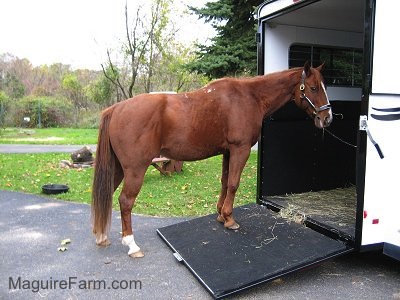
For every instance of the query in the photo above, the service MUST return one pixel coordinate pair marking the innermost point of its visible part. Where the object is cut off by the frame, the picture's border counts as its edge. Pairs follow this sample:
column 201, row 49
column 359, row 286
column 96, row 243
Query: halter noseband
column 304, row 96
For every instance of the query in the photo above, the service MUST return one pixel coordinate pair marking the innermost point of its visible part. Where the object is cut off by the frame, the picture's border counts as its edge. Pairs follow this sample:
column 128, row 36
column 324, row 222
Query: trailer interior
column 305, row 173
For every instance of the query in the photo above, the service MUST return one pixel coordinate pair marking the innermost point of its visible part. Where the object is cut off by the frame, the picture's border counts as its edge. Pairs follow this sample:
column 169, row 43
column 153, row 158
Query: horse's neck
column 277, row 89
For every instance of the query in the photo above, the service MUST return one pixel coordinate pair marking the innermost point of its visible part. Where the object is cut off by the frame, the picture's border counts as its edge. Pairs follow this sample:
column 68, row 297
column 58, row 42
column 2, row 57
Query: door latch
column 364, row 127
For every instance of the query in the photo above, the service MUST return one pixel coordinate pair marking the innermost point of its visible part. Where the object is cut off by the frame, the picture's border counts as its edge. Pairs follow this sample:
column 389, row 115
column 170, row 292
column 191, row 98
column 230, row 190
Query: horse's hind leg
column 118, row 175
column 237, row 161
column 224, row 186
column 133, row 181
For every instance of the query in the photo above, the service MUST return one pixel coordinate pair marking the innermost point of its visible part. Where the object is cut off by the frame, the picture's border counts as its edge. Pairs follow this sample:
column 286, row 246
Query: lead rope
column 339, row 139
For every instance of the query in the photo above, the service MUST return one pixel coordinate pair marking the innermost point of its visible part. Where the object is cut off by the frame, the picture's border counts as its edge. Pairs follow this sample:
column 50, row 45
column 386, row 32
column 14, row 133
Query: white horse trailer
column 354, row 40
column 292, row 230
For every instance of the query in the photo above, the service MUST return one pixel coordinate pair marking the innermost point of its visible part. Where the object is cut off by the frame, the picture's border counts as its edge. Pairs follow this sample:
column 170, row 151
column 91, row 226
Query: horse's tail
column 103, row 181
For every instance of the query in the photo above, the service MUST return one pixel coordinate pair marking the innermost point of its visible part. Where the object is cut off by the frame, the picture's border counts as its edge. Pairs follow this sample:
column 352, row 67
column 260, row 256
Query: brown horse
column 224, row 117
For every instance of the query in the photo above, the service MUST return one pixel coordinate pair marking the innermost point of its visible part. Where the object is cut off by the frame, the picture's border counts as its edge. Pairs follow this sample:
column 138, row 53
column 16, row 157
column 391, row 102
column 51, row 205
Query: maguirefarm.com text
column 37, row 285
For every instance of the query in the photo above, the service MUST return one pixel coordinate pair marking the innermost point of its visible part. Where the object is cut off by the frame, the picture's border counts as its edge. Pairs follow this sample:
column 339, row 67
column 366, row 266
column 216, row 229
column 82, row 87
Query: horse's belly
column 188, row 152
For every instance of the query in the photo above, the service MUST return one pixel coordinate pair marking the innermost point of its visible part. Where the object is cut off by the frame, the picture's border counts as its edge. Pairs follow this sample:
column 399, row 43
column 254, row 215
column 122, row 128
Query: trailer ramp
column 265, row 247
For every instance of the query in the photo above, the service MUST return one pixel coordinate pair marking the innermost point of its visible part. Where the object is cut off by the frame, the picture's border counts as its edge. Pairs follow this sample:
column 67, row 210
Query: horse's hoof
column 103, row 243
column 220, row 219
column 102, row 240
column 137, row 254
column 232, row 225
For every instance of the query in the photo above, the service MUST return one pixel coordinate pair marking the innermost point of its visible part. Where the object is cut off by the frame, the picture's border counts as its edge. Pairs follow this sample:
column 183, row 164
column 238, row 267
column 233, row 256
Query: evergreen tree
column 233, row 51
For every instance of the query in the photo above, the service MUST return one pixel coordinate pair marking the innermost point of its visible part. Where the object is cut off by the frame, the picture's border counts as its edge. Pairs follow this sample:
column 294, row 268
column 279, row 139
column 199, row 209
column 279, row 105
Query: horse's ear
column 307, row 68
column 321, row 67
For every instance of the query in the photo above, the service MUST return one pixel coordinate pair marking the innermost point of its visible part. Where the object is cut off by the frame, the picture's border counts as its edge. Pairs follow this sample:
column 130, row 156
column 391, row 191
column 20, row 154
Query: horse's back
column 186, row 126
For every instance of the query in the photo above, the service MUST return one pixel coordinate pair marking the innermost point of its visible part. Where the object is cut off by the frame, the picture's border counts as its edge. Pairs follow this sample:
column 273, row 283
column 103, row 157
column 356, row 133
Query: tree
column 13, row 86
column 101, row 90
column 153, row 58
column 3, row 103
column 11, row 75
column 143, row 49
column 46, row 80
column 171, row 73
column 233, row 50
column 74, row 90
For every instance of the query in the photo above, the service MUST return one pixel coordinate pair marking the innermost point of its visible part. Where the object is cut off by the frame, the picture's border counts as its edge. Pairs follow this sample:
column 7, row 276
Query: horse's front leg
column 237, row 161
column 130, row 190
column 224, row 186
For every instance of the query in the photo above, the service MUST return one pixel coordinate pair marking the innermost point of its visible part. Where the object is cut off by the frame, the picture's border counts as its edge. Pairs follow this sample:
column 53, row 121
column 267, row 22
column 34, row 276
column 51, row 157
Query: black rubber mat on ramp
column 264, row 248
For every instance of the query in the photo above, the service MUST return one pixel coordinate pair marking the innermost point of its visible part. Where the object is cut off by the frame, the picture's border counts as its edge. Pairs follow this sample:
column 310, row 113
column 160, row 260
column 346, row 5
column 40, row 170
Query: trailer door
column 381, row 224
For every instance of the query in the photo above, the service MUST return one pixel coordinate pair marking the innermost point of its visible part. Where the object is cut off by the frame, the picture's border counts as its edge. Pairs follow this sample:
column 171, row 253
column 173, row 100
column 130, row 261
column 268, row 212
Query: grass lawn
column 192, row 192
column 48, row 136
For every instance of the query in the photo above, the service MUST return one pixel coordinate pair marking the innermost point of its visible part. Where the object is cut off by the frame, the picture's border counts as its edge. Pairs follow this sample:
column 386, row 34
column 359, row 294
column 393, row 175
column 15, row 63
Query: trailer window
column 342, row 66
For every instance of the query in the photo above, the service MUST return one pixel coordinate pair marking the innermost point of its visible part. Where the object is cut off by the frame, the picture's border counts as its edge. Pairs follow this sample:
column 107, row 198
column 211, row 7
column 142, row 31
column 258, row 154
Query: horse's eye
column 313, row 88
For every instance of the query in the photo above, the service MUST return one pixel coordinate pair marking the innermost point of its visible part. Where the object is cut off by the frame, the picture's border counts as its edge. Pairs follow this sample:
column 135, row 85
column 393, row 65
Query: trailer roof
column 328, row 14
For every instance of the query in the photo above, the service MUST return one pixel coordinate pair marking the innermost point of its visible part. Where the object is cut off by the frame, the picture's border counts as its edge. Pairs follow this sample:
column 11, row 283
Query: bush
column 52, row 111
column 89, row 118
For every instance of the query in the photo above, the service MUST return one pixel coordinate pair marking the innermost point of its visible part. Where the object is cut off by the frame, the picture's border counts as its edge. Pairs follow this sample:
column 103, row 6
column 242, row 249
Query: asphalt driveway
column 29, row 148
column 32, row 228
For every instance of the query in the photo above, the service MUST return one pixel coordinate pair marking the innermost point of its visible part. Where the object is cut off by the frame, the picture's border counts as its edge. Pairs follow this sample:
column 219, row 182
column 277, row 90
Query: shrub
column 52, row 112
column 89, row 118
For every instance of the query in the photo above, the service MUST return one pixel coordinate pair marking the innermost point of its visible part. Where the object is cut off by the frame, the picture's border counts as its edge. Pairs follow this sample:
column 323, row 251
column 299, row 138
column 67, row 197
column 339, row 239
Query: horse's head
column 311, row 96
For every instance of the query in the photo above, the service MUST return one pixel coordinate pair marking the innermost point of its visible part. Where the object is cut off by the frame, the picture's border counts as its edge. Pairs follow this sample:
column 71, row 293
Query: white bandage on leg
column 130, row 241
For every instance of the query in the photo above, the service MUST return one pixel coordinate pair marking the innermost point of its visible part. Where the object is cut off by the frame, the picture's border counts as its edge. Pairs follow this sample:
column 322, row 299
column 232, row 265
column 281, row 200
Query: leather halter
column 304, row 96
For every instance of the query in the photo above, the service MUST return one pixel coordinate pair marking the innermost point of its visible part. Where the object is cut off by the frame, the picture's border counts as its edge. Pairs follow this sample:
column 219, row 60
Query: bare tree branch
column 147, row 48
column 115, row 81
column 132, row 48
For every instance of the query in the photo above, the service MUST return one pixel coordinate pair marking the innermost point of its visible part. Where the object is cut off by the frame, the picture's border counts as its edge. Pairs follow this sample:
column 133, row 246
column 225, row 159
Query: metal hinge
column 178, row 257
column 258, row 37
column 364, row 127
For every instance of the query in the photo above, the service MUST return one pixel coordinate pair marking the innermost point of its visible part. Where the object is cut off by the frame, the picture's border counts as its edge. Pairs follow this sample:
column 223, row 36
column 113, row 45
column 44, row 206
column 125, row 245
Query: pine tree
column 233, row 51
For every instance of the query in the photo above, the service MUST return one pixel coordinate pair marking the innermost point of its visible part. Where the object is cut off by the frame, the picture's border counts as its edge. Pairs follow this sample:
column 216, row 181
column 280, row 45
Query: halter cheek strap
column 304, row 96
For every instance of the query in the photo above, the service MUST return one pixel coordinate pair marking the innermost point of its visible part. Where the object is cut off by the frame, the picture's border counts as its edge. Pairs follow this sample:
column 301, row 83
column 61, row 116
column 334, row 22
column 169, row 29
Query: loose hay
column 335, row 207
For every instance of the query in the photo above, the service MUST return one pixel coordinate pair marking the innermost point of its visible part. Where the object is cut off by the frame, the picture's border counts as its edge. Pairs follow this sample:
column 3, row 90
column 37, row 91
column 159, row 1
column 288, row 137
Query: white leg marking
column 129, row 240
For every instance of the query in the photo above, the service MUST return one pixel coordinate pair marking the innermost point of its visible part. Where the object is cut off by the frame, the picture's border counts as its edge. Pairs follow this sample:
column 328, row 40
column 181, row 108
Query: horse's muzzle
column 323, row 119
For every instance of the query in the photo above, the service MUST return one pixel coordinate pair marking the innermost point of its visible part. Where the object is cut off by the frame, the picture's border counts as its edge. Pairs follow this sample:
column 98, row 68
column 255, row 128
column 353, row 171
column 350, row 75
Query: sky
column 78, row 32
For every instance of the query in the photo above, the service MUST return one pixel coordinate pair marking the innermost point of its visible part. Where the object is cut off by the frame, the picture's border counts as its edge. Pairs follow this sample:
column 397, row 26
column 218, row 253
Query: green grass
column 49, row 136
column 191, row 193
